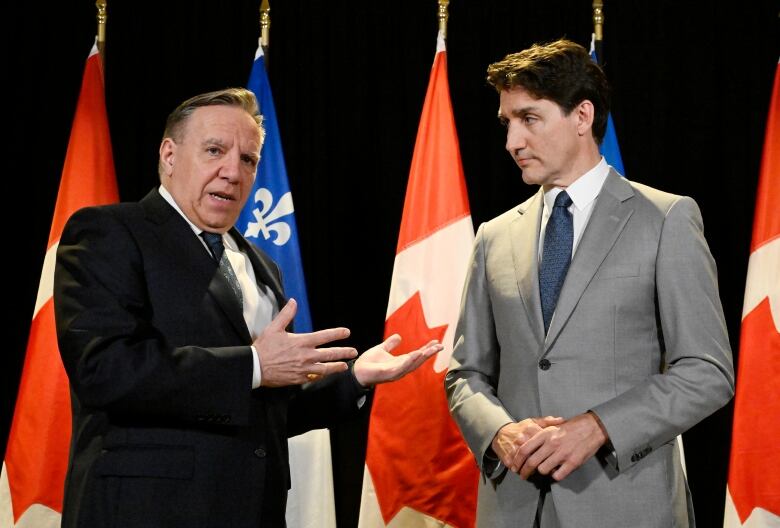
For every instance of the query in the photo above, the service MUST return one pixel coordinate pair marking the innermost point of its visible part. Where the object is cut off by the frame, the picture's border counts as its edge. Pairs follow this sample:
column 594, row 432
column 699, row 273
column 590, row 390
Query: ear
column 167, row 155
column 585, row 113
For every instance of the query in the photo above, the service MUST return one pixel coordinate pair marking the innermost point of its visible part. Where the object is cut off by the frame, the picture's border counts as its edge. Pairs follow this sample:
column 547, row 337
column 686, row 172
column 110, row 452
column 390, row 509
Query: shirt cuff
column 256, row 372
column 491, row 465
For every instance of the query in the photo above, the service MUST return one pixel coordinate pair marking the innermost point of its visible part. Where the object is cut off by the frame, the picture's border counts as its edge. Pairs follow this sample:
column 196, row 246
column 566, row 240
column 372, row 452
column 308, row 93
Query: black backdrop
column 691, row 91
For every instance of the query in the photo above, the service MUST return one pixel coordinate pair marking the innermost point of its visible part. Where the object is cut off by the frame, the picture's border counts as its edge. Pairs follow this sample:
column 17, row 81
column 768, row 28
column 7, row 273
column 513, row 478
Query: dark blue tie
column 217, row 247
column 215, row 244
column 556, row 255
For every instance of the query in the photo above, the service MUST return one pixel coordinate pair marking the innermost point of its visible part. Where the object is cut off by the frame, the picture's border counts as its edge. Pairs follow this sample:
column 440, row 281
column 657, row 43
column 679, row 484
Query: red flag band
column 36, row 459
column 753, row 494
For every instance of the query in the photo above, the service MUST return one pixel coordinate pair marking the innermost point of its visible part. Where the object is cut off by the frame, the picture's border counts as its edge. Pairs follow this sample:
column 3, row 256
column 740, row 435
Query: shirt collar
column 584, row 190
column 226, row 238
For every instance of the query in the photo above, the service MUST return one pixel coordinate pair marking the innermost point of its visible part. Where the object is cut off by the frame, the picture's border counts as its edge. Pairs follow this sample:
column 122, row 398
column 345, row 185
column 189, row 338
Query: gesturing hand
column 293, row 359
column 378, row 365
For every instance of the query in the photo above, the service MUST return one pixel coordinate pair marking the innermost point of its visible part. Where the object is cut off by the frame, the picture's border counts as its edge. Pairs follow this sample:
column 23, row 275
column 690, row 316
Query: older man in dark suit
column 185, row 383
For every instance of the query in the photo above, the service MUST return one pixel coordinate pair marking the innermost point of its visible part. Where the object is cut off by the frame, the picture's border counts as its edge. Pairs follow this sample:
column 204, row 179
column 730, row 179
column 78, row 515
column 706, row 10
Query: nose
column 231, row 167
column 515, row 139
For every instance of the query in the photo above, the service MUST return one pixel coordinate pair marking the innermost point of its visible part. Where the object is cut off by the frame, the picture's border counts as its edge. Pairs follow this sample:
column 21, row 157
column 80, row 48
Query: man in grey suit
column 591, row 333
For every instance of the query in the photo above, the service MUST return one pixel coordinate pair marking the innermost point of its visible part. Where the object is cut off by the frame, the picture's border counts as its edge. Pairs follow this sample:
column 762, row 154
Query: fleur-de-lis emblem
column 266, row 219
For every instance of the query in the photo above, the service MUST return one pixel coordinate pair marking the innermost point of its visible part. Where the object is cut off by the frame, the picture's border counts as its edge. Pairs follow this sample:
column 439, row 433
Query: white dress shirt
column 583, row 193
column 260, row 305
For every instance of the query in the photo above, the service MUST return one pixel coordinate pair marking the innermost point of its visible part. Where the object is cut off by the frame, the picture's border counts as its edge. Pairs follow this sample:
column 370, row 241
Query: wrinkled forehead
column 221, row 121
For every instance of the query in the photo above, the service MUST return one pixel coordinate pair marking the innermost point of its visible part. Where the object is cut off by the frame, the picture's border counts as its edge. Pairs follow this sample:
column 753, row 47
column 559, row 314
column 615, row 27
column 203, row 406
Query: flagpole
column 101, row 19
column 265, row 28
column 598, row 28
column 443, row 16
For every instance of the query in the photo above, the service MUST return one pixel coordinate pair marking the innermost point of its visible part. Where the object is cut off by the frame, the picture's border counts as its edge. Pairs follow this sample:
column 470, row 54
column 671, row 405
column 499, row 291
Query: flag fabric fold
column 419, row 472
column 609, row 147
column 753, row 491
column 268, row 221
column 33, row 474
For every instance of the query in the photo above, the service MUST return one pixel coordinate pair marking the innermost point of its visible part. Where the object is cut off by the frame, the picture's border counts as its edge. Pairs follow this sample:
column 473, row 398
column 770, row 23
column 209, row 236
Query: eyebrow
column 519, row 112
column 213, row 141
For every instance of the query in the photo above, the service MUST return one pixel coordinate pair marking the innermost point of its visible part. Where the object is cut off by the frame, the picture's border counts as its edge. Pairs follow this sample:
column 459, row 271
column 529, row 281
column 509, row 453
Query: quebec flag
column 268, row 219
column 609, row 146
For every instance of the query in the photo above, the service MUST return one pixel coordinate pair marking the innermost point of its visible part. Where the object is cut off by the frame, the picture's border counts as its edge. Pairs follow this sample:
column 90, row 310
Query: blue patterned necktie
column 217, row 247
column 556, row 255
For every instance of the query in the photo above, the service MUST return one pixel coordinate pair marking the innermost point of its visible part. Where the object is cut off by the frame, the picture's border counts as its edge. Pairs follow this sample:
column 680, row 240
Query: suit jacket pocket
column 155, row 461
column 619, row 271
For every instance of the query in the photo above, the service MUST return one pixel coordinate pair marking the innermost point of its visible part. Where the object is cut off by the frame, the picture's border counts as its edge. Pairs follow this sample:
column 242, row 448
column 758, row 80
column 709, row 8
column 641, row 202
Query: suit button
column 544, row 364
column 260, row 452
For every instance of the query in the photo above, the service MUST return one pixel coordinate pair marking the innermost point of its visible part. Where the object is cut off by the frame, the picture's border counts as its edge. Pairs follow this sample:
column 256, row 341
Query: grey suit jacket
column 638, row 337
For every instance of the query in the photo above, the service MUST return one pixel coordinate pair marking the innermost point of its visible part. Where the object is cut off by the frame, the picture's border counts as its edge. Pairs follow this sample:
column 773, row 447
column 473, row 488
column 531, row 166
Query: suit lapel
column 524, row 233
column 610, row 215
column 177, row 236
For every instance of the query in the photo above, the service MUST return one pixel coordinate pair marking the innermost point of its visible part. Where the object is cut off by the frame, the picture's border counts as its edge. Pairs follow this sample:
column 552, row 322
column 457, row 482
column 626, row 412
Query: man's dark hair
column 561, row 71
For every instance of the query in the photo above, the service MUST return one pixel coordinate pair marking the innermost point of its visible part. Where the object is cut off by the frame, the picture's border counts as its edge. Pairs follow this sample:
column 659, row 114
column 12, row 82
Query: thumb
column 284, row 317
column 391, row 342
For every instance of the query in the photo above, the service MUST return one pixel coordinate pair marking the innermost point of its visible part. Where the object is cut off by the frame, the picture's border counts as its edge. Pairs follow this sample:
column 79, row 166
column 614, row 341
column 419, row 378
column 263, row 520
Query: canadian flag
column 753, row 492
column 33, row 476
column 419, row 472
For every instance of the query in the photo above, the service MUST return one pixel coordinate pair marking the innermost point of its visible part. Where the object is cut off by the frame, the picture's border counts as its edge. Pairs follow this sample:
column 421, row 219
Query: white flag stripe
column 763, row 280
column 46, row 286
column 6, row 511
column 310, row 502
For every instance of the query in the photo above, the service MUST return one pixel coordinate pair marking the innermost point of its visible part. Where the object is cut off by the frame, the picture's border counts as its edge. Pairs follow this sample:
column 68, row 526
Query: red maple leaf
column 754, row 471
column 416, row 455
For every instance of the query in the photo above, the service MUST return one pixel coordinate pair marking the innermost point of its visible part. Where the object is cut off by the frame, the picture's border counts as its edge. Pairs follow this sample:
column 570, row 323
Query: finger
column 408, row 363
column 431, row 349
column 563, row 471
column 547, row 421
column 531, row 464
column 526, row 450
column 331, row 354
column 550, row 464
column 321, row 337
column 326, row 369
column 391, row 342
column 533, row 460
column 528, row 433
column 284, row 317
column 395, row 368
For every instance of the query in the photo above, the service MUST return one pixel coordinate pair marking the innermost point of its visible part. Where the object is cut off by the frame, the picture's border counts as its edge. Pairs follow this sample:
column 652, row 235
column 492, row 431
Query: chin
column 530, row 179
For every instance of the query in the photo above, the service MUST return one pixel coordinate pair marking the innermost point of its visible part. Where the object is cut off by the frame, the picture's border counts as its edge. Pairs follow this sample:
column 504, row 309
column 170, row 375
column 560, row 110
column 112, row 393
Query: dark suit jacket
column 166, row 428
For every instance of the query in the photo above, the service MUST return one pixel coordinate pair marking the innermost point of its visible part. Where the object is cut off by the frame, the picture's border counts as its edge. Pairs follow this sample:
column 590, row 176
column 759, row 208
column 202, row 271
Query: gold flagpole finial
column 101, row 19
column 443, row 16
column 598, row 19
column 265, row 26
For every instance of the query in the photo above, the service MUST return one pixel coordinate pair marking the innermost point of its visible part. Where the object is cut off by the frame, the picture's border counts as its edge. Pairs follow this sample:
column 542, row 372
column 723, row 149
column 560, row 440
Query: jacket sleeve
column 472, row 378
column 322, row 403
column 115, row 358
column 699, row 375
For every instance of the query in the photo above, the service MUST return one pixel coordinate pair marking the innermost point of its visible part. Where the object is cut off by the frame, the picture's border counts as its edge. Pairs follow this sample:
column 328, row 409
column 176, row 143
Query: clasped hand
column 549, row 445
column 293, row 359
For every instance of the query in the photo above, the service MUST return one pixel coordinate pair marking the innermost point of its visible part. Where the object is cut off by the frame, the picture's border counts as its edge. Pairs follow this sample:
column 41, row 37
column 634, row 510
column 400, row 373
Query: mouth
column 222, row 197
